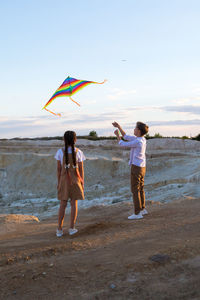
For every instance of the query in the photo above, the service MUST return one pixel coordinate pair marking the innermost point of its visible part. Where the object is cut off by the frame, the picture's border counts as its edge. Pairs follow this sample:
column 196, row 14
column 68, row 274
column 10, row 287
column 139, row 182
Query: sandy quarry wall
column 28, row 168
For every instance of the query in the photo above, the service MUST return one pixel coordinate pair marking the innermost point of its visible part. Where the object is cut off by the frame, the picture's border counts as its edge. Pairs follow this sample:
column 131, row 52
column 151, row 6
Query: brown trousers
column 137, row 187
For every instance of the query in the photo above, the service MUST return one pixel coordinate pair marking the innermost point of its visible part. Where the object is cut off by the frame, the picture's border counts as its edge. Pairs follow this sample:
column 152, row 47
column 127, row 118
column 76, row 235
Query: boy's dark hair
column 142, row 127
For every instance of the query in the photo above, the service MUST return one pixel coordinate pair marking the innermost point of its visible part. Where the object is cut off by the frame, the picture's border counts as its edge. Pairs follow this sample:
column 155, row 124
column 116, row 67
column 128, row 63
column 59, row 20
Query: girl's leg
column 61, row 214
column 74, row 211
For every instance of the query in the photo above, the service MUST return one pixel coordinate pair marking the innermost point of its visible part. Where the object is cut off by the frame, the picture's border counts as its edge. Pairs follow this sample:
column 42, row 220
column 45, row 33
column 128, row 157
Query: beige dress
column 70, row 186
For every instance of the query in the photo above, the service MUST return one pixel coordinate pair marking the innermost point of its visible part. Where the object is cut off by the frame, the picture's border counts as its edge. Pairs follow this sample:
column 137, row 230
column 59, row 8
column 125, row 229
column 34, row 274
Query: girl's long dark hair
column 69, row 139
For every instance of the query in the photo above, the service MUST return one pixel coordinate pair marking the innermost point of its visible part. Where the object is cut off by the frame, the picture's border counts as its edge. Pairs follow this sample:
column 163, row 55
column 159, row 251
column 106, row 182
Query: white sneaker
column 135, row 217
column 144, row 212
column 72, row 231
column 59, row 233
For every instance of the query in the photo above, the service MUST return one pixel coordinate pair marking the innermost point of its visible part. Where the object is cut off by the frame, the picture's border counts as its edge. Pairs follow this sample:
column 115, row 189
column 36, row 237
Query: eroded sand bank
column 28, row 173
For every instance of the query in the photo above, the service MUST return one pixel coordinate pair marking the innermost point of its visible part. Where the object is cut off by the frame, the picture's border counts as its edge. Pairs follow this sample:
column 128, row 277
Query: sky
column 148, row 50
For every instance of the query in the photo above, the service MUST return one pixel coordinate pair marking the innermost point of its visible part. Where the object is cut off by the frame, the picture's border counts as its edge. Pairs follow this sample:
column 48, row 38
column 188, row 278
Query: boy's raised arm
column 115, row 124
column 131, row 143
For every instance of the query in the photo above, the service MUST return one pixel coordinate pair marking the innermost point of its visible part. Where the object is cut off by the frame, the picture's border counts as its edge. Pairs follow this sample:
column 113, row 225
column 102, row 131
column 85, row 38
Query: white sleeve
column 80, row 156
column 129, row 137
column 130, row 144
column 59, row 155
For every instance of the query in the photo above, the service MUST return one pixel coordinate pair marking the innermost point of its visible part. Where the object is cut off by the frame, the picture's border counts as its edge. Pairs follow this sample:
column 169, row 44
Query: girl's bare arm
column 81, row 170
column 59, row 167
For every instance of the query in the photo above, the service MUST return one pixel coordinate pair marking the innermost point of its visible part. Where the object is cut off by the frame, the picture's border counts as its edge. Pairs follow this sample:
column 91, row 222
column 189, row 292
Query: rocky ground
column 111, row 257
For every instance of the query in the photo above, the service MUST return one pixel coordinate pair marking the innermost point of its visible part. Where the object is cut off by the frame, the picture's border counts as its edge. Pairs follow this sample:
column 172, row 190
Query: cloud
column 196, row 90
column 190, row 109
column 48, row 125
column 167, row 123
column 181, row 101
column 191, row 100
column 118, row 93
column 174, row 123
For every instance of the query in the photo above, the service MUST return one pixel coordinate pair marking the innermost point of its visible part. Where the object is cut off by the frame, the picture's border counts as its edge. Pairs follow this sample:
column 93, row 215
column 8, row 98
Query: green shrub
column 93, row 134
column 148, row 137
column 158, row 136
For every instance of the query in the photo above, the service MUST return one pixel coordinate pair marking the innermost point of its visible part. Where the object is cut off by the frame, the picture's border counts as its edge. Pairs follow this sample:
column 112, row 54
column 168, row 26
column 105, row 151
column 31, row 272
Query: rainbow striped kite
column 69, row 87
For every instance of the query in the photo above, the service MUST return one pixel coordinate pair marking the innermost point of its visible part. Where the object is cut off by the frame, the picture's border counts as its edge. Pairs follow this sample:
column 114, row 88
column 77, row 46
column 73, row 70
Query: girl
column 70, row 175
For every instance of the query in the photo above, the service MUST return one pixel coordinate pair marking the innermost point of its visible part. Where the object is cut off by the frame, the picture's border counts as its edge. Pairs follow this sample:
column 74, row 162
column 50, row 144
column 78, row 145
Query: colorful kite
column 69, row 87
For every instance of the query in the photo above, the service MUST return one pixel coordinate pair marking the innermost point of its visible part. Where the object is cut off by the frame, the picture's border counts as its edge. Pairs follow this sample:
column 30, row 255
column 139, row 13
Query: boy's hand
column 116, row 132
column 115, row 124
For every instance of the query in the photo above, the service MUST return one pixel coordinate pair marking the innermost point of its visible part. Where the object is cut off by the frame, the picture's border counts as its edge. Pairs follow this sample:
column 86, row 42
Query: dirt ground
column 109, row 258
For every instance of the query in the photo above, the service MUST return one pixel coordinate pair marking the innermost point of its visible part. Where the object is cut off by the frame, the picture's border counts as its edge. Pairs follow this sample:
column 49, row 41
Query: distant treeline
column 94, row 137
column 60, row 138
column 184, row 137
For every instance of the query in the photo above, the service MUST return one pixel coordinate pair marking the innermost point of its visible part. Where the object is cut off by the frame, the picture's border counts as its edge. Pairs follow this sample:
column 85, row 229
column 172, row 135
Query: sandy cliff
column 28, row 172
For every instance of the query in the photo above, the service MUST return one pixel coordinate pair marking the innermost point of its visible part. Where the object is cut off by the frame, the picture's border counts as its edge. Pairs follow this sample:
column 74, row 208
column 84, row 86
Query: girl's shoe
column 59, row 233
column 135, row 217
column 144, row 211
column 72, row 231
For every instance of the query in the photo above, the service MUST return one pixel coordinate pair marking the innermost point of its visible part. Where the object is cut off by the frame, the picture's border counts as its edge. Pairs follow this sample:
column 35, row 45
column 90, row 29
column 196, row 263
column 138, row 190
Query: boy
column 137, row 143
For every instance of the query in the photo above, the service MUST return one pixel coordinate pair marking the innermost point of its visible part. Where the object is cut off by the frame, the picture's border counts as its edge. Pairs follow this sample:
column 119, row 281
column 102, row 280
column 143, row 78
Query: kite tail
column 59, row 115
column 74, row 101
column 100, row 82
